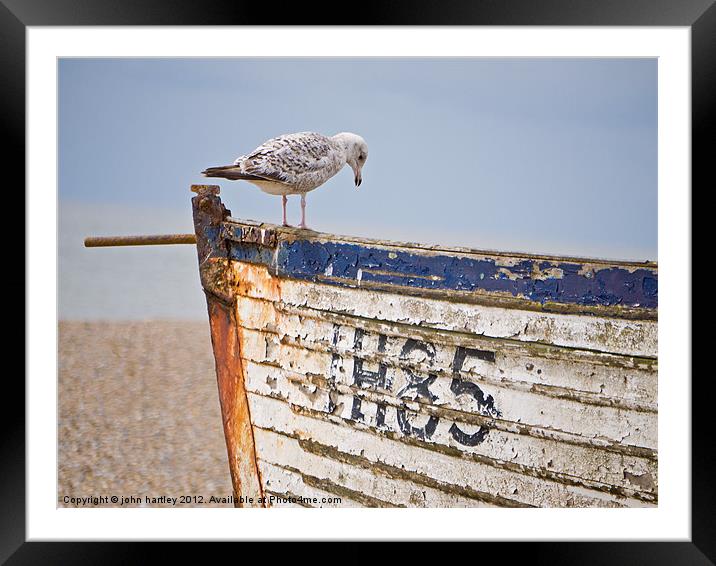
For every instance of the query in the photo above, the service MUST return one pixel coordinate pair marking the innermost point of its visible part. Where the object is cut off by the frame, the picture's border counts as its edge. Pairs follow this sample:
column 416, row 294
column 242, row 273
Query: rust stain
column 255, row 280
column 331, row 357
column 238, row 431
column 242, row 282
column 218, row 283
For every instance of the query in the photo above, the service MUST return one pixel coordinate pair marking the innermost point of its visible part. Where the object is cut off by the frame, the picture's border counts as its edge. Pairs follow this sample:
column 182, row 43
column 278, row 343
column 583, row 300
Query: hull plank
column 602, row 334
column 364, row 373
column 345, row 481
column 282, row 434
column 585, row 285
column 285, row 487
column 616, row 380
column 510, row 448
column 402, row 386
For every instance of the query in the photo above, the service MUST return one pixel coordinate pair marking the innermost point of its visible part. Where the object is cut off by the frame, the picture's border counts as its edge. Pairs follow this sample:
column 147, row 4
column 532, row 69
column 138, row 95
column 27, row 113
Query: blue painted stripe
column 535, row 279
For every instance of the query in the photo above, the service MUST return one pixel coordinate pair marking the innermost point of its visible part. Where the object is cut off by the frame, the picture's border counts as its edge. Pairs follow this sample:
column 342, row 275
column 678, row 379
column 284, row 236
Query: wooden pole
column 152, row 240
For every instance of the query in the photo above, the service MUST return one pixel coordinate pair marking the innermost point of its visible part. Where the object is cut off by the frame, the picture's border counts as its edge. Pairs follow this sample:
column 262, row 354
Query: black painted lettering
column 417, row 387
column 485, row 403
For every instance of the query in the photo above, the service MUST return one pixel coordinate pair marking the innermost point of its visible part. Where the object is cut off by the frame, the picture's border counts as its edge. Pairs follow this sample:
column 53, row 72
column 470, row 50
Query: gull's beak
column 358, row 179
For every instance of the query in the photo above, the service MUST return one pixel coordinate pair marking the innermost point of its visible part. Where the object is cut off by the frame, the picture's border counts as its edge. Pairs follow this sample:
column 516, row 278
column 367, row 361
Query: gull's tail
column 225, row 171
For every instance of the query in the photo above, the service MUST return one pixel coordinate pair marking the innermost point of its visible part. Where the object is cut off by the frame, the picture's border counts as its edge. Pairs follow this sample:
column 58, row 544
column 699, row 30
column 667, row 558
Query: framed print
column 375, row 341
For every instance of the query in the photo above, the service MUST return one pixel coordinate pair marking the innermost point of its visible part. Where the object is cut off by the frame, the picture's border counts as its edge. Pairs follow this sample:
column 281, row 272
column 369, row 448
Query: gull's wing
column 291, row 159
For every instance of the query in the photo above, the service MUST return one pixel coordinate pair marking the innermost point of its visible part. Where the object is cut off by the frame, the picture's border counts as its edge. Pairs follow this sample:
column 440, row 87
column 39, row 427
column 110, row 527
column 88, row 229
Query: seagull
column 295, row 164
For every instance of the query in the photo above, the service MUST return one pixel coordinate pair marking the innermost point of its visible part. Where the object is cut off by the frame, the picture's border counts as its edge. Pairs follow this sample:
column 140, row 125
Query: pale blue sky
column 541, row 155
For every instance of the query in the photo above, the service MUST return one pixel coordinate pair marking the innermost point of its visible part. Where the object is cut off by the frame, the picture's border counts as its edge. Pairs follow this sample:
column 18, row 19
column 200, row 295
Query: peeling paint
column 385, row 375
column 583, row 283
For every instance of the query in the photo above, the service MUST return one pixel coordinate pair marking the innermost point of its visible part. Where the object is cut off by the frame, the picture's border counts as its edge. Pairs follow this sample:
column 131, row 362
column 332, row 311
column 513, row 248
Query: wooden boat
column 357, row 372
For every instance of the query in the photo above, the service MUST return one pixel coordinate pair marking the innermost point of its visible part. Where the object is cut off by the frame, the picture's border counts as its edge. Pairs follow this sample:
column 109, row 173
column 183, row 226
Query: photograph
column 401, row 272
column 426, row 282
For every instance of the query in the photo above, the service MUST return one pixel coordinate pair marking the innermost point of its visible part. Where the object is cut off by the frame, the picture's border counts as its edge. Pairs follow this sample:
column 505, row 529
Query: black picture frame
column 16, row 15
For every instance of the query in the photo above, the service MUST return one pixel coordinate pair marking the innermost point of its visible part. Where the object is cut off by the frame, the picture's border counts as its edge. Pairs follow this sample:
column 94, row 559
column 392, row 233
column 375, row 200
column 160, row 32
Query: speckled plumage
column 296, row 163
column 304, row 161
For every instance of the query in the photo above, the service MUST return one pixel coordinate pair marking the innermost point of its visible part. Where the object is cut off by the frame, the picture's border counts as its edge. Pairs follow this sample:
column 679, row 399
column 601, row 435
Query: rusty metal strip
column 208, row 214
column 236, row 417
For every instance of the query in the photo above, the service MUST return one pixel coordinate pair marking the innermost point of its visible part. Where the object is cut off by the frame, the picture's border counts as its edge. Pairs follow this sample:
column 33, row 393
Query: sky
column 555, row 156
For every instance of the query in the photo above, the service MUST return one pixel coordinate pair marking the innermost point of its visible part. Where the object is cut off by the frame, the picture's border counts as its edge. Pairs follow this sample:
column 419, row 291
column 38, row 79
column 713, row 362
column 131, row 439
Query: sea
column 126, row 283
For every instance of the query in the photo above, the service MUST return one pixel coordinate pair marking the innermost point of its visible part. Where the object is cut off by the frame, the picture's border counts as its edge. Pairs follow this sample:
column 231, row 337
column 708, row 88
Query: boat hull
column 361, row 373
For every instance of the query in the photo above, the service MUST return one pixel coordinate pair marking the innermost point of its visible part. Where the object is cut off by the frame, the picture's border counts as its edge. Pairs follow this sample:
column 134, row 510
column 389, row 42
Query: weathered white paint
column 424, row 467
column 633, row 428
column 369, row 485
column 613, row 335
column 286, row 483
column 585, row 464
column 387, row 399
column 613, row 379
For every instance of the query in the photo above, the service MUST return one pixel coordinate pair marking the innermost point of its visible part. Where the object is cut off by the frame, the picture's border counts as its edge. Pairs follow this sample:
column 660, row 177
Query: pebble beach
column 139, row 416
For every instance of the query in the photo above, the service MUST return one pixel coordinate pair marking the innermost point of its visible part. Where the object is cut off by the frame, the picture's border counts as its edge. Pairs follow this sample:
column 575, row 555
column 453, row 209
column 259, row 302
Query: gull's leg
column 303, row 212
column 284, row 198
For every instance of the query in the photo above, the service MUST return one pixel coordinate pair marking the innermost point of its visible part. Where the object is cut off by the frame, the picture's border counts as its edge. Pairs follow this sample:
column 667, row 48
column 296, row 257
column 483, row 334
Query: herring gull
column 294, row 164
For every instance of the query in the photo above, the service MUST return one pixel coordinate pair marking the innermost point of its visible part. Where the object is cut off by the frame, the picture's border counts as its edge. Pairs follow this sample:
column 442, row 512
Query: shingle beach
column 139, row 415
